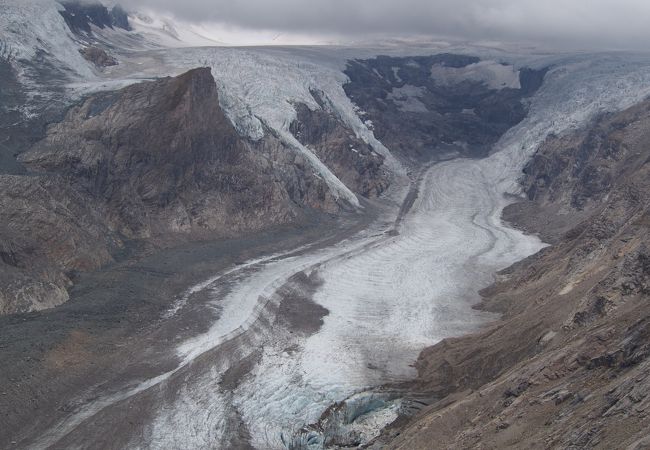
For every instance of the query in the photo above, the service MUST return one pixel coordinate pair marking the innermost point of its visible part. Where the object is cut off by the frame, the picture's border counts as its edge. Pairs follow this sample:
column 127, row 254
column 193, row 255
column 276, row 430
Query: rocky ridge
column 352, row 161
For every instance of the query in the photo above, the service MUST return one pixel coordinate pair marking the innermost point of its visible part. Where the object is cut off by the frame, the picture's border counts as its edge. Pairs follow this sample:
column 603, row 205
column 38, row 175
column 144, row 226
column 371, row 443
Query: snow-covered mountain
column 168, row 32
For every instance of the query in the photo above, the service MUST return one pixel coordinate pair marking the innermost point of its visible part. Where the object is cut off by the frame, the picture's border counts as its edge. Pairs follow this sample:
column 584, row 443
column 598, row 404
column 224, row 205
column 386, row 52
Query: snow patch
column 407, row 98
column 493, row 74
column 396, row 74
column 169, row 32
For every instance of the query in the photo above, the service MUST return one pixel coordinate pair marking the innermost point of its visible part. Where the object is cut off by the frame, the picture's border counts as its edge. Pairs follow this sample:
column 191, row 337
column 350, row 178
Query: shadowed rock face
column 351, row 160
column 119, row 18
column 428, row 107
column 157, row 162
column 569, row 364
column 11, row 97
column 80, row 15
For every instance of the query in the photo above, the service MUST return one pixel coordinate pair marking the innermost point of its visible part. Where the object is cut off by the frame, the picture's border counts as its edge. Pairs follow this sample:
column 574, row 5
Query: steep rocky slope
column 156, row 162
column 353, row 161
column 11, row 97
column 82, row 15
column 163, row 157
column 568, row 365
column 428, row 107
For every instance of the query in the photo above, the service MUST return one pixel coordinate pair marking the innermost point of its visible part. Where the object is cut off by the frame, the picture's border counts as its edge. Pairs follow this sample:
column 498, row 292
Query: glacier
column 390, row 296
column 390, row 290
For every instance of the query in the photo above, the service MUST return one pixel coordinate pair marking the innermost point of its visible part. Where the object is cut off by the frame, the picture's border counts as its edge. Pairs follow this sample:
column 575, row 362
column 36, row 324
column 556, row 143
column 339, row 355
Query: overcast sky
column 571, row 23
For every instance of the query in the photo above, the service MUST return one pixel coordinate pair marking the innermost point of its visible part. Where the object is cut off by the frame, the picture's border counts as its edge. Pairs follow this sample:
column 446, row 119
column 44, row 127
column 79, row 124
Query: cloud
column 593, row 23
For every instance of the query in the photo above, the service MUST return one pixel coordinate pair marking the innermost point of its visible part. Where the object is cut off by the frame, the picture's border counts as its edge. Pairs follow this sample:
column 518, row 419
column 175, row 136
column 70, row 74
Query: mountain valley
column 308, row 247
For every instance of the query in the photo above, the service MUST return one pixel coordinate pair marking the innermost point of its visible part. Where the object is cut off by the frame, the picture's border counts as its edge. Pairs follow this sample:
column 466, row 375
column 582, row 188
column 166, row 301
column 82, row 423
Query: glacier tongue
column 388, row 297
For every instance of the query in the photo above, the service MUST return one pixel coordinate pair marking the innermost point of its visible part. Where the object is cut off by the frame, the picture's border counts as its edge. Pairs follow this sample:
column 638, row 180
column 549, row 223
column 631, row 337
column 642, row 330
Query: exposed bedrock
column 47, row 231
column 13, row 137
column 156, row 162
column 98, row 56
column 353, row 161
column 162, row 157
column 568, row 366
column 80, row 15
column 431, row 107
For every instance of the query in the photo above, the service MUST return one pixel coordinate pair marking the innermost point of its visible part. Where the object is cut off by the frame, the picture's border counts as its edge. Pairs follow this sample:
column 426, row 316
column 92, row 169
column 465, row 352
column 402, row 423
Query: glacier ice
column 388, row 296
column 32, row 26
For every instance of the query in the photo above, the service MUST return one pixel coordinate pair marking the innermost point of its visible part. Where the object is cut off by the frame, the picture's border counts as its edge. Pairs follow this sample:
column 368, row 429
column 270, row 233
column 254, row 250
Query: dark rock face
column 98, row 57
column 579, row 170
column 156, row 162
column 163, row 157
column 11, row 96
column 47, row 231
column 352, row 160
column 426, row 107
column 569, row 363
column 531, row 80
column 81, row 15
column 119, row 18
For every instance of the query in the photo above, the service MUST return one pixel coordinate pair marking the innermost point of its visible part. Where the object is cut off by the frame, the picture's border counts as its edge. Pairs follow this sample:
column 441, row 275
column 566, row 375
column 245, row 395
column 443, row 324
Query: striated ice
column 390, row 297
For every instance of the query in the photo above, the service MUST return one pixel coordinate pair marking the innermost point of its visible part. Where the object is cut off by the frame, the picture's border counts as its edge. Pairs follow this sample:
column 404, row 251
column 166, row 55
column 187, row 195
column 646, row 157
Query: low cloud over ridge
column 585, row 23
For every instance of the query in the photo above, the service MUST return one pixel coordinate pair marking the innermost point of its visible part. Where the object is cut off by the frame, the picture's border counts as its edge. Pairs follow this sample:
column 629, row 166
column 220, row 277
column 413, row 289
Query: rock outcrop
column 568, row 366
column 163, row 157
column 11, row 97
column 82, row 15
column 48, row 231
column 353, row 161
column 98, row 57
column 156, row 162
